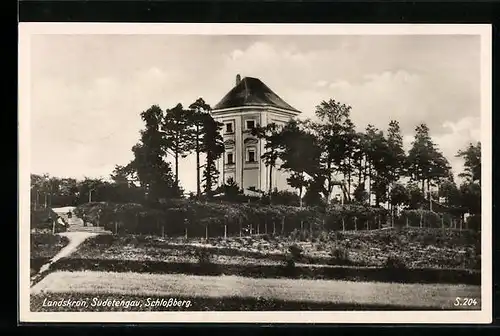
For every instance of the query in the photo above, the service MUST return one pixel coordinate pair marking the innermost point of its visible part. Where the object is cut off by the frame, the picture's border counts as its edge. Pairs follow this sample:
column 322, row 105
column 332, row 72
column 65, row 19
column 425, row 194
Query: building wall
column 239, row 142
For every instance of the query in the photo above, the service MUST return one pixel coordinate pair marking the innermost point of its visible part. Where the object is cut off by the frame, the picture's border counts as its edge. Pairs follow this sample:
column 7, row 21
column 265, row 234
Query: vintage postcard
column 255, row 173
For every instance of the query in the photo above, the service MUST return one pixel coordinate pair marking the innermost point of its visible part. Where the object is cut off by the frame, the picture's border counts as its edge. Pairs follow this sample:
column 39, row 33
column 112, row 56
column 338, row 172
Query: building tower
column 248, row 104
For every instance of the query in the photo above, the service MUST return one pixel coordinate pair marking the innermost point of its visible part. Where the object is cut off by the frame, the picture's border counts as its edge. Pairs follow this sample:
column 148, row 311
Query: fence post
column 421, row 219
column 283, row 225
column 442, row 221
column 53, row 226
column 258, row 228
column 186, row 233
column 343, row 224
column 239, row 222
column 406, row 218
column 265, row 225
column 301, row 226
column 355, row 223
column 274, row 226
column 116, row 227
column 225, row 230
column 206, row 232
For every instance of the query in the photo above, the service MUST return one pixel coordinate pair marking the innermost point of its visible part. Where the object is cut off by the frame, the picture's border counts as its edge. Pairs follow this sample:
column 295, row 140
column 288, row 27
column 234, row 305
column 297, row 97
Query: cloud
column 87, row 96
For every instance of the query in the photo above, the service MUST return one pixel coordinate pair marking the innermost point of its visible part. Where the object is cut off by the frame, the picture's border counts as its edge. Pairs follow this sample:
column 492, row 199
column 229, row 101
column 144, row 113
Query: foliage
column 153, row 172
column 472, row 162
column 174, row 126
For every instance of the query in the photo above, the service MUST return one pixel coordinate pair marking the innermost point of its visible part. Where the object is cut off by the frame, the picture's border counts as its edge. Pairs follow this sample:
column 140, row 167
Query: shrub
column 340, row 256
column 473, row 222
column 295, row 251
column 42, row 218
column 394, row 262
column 204, row 256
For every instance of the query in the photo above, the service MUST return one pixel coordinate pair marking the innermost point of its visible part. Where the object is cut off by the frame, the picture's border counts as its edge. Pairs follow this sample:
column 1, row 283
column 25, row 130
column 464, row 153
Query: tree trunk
column 370, row 184
column 198, row 183
column 300, row 197
column 429, row 193
column 270, row 180
column 349, row 178
column 177, row 168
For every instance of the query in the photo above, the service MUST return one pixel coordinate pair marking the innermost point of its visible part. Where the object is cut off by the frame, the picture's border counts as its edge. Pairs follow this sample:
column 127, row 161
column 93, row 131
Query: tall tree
column 336, row 137
column 426, row 164
column 175, row 129
column 300, row 154
column 470, row 189
column 197, row 110
column 378, row 157
column 396, row 161
column 472, row 162
column 397, row 156
column 271, row 136
column 213, row 146
column 154, row 173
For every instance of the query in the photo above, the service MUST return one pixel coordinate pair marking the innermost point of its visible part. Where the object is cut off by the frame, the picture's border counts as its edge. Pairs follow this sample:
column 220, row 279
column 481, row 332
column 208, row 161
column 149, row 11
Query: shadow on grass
column 381, row 274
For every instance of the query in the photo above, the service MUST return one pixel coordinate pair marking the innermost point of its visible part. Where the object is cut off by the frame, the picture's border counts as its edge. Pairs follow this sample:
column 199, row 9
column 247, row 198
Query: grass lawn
column 87, row 285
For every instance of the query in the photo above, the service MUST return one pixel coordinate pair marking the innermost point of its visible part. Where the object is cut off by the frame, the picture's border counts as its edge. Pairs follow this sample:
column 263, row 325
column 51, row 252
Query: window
column 229, row 127
column 230, row 158
column 251, row 155
column 250, row 124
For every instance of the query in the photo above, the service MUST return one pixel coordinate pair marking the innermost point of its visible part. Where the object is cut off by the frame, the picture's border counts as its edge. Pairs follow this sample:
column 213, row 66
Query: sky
column 87, row 91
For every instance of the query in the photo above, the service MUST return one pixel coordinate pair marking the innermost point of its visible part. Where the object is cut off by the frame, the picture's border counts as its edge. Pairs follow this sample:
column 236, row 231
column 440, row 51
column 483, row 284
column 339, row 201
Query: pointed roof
column 252, row 92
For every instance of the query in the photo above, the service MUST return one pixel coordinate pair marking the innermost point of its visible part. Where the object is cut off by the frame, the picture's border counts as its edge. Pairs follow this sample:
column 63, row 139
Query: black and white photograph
column 255, row 173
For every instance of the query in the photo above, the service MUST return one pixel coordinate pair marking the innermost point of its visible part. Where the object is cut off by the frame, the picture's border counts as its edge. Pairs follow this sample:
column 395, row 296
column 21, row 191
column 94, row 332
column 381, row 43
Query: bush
column 340, row 256
column 394, row 262
column 204, row 256
column 296, row 252
column 473, row 222
column 42, row 218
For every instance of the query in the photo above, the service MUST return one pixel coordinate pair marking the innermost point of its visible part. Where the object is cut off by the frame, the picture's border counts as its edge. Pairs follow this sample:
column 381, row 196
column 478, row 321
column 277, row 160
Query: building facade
column 248, row 104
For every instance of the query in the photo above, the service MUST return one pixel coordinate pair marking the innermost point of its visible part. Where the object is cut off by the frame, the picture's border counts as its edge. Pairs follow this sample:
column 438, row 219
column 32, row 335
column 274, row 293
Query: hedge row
column 42, row 218
column 200, row 219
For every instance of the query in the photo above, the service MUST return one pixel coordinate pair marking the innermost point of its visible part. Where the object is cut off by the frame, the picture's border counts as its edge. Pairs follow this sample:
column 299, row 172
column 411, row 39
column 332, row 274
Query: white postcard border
column 433, row 317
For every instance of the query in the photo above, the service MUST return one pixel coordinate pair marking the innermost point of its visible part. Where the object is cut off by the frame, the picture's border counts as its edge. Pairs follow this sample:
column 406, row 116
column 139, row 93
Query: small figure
column 69, row 214
column 62, row 222
column 84, row 219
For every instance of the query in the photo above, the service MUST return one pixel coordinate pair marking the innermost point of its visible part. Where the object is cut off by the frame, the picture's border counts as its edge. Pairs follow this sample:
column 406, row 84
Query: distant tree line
column 319, row 155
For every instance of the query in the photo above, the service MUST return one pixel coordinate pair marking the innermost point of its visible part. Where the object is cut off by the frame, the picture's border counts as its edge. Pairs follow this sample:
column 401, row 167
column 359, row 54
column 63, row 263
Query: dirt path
column 75, row 240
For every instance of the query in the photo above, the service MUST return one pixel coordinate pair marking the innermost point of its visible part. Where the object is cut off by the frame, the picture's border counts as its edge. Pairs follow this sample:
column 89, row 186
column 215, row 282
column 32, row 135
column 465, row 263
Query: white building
column 248, row 104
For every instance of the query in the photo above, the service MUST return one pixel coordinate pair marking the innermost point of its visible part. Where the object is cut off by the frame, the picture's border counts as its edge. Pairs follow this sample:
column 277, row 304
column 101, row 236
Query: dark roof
column 252, row 92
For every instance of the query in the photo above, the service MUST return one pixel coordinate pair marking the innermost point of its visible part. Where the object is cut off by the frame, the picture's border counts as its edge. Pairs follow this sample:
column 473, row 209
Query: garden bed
column 414, row 248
